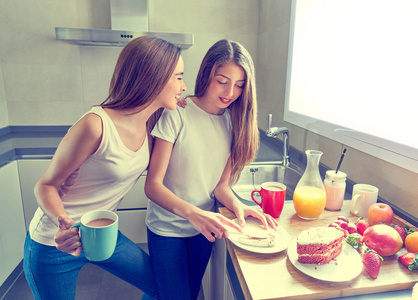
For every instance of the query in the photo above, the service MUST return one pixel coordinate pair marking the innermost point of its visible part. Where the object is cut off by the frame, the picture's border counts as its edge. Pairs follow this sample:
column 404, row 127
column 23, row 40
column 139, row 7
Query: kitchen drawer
column 132, row 224
column 135, row 198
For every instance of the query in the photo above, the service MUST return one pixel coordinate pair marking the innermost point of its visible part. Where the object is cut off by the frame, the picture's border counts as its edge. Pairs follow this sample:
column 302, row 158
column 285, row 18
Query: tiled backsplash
column 51, row 82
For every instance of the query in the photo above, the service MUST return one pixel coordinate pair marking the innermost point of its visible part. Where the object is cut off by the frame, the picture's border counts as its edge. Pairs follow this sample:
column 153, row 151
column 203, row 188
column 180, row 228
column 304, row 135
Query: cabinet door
column 135, row 198
column 12, row 223
column 132, row 224
column 216, row 283
column 30, row 171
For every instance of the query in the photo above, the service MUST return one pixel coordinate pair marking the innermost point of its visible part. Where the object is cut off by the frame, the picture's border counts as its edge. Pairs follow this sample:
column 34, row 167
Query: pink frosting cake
column 319, row 245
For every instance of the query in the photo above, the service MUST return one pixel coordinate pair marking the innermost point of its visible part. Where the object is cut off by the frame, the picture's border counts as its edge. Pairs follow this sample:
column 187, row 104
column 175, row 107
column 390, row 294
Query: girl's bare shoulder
column 89, row 126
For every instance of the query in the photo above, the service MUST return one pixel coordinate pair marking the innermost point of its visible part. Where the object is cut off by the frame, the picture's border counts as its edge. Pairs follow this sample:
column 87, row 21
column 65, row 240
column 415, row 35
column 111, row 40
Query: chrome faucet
column 274, row 132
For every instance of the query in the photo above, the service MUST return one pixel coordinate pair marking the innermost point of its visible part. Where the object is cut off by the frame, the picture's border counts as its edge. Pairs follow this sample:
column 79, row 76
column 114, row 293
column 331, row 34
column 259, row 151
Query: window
column 353, row 75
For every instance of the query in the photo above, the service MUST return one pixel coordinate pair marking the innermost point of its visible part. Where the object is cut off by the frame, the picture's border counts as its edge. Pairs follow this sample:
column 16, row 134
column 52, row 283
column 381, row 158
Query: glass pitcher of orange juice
column 309, row 197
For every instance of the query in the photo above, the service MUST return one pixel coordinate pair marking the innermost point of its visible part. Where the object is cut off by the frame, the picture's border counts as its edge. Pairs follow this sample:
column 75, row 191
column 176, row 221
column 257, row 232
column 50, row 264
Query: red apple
column 380, row 213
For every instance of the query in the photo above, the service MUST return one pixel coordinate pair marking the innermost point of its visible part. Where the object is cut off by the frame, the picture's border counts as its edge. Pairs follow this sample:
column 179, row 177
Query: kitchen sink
column 255, row 174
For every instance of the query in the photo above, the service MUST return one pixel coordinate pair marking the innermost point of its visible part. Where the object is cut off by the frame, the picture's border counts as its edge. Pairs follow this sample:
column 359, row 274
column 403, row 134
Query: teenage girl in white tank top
column 200, row 151
column 97, row 162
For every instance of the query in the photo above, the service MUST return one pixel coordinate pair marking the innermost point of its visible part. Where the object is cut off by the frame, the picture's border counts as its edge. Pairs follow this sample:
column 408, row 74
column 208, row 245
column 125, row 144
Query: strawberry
column 355, row 240
column 343, row 225
column 409, row 260
column 410, row 229
column 334, row 225
column 344, row 231
column 362, row 225
column 372, row 262
column 402, row 231
column 342, row 218
column 352, row 228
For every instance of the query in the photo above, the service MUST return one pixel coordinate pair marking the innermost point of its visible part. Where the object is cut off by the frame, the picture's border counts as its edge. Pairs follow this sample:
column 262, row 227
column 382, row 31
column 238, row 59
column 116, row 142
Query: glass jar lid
column 340, row 176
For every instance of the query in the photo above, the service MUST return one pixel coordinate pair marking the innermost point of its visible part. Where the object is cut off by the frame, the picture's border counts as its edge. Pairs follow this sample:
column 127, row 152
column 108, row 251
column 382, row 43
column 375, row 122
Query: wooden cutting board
column 273, row 276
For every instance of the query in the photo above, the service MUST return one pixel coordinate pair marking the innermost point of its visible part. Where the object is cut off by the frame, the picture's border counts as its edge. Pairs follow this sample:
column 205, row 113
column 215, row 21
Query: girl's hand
column 212, row 225
column 68, row 239
column 244, row 211
column 182, row 102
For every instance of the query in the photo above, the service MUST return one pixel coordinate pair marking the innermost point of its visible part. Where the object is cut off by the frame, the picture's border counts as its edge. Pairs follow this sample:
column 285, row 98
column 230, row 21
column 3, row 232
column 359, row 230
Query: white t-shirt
column 202, row 144
column 100, row 182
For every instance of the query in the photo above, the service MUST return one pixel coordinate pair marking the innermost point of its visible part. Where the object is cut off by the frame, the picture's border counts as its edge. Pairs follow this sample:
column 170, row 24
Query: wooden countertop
column 272, row 276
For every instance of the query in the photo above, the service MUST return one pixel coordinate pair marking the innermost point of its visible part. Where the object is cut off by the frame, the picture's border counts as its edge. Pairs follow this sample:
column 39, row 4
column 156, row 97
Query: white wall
column 396, row 185
column 4, row 117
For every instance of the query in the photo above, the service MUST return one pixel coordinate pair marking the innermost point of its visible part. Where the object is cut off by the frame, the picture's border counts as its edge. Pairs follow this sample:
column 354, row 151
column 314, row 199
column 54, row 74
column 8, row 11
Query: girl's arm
column 205, row 222
column 224, row 194
column 77, row 145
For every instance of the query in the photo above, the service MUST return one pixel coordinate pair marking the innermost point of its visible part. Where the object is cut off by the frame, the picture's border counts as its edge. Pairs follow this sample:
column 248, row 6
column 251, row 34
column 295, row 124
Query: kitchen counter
column 273, row 276
column 38, row 142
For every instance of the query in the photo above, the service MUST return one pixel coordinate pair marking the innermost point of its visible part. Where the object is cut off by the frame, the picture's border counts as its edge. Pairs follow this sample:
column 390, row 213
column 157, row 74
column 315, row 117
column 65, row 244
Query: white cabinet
column 132, row 212
column 12, row 223
column 30, row 170
column 132, row 224
column 135, row 198
column 216, row 283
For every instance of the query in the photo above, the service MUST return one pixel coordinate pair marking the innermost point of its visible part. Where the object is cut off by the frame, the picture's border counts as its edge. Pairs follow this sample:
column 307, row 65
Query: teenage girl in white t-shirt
column 200, row 151
column 97, row 162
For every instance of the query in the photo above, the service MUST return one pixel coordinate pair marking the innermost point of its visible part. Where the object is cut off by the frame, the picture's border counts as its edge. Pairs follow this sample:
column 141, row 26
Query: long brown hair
column 143, row 69
column 245, row 135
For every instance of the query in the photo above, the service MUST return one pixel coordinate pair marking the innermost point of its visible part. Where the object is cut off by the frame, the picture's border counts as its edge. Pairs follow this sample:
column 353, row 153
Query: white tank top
column 100, row 182
column 201, row 147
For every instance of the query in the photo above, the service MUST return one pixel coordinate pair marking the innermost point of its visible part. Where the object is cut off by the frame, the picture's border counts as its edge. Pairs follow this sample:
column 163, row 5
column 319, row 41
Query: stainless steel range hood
column 129, row 20
column 107, row 37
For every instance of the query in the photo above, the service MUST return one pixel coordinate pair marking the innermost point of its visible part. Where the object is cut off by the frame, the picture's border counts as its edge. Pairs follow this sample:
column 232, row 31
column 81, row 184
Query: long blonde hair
column 143, row 69
column 245, row 135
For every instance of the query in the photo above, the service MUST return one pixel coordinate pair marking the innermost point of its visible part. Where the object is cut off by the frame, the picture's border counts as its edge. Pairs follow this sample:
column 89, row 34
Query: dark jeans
column 52, row 274
column 179, row 264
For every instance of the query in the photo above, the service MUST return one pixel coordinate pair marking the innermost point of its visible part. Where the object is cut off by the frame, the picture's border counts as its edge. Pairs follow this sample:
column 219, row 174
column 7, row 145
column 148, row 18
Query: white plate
column 254, row 226
column 344, row 267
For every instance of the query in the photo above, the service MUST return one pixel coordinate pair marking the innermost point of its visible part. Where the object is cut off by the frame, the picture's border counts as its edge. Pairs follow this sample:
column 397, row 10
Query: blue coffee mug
column 98, row 240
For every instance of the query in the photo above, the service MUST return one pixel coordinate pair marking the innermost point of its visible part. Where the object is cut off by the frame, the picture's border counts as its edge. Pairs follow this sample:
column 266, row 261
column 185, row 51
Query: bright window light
column 353, row 74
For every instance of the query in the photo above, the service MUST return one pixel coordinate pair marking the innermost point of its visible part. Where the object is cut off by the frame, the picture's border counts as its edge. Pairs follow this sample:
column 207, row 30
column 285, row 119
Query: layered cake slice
column 319, row 245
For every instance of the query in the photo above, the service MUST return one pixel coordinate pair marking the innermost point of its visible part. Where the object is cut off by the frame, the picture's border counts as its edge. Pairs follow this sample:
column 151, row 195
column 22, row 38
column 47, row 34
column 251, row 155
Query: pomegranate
column 383, row 239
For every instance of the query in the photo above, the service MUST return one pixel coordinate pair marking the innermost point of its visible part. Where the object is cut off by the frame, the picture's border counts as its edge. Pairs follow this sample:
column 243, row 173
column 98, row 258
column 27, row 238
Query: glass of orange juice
column 309, row 197
column 309, row 202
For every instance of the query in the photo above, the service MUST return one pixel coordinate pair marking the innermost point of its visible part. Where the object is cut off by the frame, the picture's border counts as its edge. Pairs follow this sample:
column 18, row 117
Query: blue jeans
column 179, row 264
column 52, row 274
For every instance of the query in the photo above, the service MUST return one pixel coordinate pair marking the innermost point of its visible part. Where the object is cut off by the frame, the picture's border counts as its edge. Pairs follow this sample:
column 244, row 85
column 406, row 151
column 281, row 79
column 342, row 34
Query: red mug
column 272, row 198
